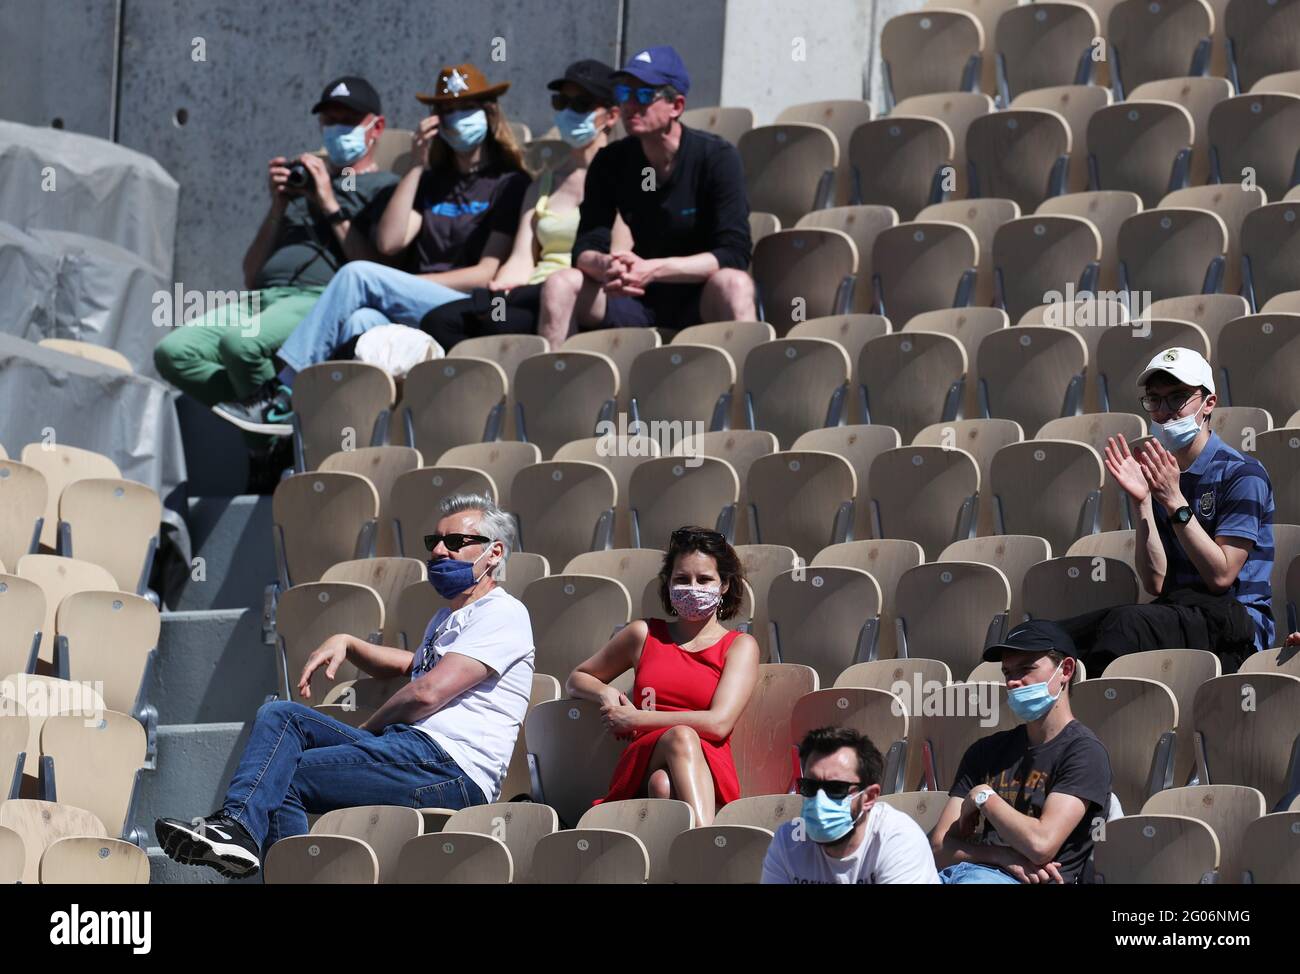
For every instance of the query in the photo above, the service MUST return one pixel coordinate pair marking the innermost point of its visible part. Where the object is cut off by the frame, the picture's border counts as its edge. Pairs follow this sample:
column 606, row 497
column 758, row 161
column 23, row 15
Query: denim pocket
column 450, row 793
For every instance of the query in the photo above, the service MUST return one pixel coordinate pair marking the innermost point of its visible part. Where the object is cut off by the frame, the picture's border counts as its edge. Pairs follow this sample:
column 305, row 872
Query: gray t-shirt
column 307, row 253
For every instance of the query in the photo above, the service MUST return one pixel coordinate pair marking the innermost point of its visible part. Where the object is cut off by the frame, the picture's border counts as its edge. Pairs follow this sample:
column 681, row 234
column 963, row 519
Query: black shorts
column 671, row 306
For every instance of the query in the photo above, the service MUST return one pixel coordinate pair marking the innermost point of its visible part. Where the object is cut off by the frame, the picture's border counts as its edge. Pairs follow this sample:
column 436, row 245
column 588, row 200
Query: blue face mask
column 575, row 128
column 1177, row 433
column 827, row 820
column 345, row 143
column 452, row 577
column 463, row 130
column 1033, row 701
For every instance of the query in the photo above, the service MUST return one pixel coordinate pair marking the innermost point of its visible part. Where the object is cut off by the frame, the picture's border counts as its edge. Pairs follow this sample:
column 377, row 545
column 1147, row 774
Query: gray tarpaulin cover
column 102, row 294
column 129, row 418
column 100, row 189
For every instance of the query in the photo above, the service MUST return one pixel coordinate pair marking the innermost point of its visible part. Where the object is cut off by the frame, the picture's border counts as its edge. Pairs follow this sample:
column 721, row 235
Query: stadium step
column 212, row 666
column 233, row 537
column 195, row 763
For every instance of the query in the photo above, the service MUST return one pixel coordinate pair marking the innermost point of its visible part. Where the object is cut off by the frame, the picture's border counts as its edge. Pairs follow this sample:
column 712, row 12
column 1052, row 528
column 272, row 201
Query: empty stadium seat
column 1256, row 137
column 564, row 507
column 920, row 267
column 1012, row 554
column 793, row 385
column 789, row 168
column 902, row 161
column 1044, row 44
column 563, row 396
column 1227, row 809
column 500, row 461
column 950, row 611
column 573, row 616
column 804, row 273
column 1150, row 849
column 383, row 466
column 1169, row 252
column 841, row 116
column 339, row 406
column 929, row 51
column 1270, row 243
column 801, row 499
column 1076, row 104
column 885, row 559
column 826, row 618
column 956, row 109
column 1020, row 154
column 1259, row 357
column 320, row 519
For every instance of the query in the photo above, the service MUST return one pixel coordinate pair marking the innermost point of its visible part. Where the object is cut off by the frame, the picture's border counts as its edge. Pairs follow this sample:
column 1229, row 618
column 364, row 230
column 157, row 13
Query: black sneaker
column 217, row 841
column 269, row 412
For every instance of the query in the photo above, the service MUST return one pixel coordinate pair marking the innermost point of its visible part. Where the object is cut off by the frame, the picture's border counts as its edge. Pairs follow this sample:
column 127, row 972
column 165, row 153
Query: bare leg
column 569, row 299
column 679, row 752
column 728, row 295
column 660, row 785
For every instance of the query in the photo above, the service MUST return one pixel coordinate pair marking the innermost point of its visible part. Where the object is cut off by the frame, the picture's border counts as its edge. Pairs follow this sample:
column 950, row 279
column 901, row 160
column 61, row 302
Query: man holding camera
column 321, row 216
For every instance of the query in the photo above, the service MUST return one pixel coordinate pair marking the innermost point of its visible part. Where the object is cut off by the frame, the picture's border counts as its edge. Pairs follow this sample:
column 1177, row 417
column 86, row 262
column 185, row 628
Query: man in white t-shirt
column 845, row 834
column 443, row 740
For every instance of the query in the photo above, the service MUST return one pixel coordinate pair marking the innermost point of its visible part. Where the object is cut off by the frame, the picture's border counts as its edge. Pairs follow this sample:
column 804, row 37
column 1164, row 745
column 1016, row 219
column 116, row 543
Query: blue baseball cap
column 659, row 66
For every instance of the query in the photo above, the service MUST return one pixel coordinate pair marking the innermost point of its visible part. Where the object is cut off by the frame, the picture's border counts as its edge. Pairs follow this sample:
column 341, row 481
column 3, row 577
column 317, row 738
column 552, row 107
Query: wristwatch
column 337, row 217
column 1182, row 515
column 981, row 797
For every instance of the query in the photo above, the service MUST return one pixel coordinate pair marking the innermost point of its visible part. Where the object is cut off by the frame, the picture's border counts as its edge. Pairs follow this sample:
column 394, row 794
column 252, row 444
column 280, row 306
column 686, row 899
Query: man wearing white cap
column 1204, row 533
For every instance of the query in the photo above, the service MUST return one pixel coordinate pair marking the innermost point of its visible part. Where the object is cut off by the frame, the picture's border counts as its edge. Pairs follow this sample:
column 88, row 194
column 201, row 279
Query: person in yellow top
column 585, row 114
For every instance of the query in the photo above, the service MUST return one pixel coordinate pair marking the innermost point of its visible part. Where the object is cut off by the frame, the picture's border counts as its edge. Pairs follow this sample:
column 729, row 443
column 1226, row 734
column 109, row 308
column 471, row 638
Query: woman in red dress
column 693, row 680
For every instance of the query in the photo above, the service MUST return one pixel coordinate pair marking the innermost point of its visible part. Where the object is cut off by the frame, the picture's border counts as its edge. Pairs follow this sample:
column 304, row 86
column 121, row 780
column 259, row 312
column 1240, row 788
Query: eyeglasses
column 1174, row 402
column 453, row 542
column 582, row 104
column 644, row 95
column 835, row 790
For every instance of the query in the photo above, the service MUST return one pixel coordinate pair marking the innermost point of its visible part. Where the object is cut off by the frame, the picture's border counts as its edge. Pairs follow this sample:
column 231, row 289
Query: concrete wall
column 783, row 52
column 56, row 63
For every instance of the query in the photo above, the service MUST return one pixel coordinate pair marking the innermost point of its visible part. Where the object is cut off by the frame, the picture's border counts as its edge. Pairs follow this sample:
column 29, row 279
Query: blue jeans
column 299, row 761
column 361, row 296
column 968, row 873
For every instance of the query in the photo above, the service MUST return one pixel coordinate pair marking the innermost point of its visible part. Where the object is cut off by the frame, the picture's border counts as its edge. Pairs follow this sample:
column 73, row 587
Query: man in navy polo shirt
column 1205, row 530
column 681, row 192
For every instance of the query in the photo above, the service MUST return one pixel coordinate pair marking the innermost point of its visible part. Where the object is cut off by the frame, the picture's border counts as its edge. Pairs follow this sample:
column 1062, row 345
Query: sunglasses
column 682, row 534
column 1173, row 402
column 582, row 104
column 453, row 542
column 644, row 96
column 835, row 790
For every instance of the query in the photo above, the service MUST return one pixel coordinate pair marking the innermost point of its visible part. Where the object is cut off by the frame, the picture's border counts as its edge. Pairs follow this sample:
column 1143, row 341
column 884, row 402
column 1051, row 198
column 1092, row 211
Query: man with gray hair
column 443, row 740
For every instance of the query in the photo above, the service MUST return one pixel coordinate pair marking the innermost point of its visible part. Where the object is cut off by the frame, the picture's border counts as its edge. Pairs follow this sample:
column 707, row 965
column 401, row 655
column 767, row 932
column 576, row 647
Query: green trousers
column 226, row 357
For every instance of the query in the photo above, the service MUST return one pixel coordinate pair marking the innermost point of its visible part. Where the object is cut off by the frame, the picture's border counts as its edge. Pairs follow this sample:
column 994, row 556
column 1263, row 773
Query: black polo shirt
column 700, row 207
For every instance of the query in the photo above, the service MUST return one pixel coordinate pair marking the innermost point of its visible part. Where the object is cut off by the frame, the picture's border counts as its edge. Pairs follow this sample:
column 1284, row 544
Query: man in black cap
column 317, row 221
column 1025, row 802
column 681, row 192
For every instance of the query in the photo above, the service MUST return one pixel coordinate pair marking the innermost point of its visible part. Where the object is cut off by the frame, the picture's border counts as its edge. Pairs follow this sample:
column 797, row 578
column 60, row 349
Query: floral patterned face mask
column 694, row 604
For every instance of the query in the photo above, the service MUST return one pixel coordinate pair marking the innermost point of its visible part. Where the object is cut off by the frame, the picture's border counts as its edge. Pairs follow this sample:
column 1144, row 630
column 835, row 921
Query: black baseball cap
column 352, row 92
column 1034, row 636
column 594, row 77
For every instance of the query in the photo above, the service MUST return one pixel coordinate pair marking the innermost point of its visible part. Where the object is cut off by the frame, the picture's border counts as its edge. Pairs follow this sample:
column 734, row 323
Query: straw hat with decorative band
column 462, row 81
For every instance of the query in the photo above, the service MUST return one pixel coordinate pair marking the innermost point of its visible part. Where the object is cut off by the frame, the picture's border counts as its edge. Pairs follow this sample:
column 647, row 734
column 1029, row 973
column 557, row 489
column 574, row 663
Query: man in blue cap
column 681, row 192
column 1024, row 802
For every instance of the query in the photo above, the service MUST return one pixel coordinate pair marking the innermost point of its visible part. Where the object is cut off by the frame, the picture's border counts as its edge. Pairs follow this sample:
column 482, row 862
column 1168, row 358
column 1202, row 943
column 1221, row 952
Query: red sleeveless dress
column 679, row 680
